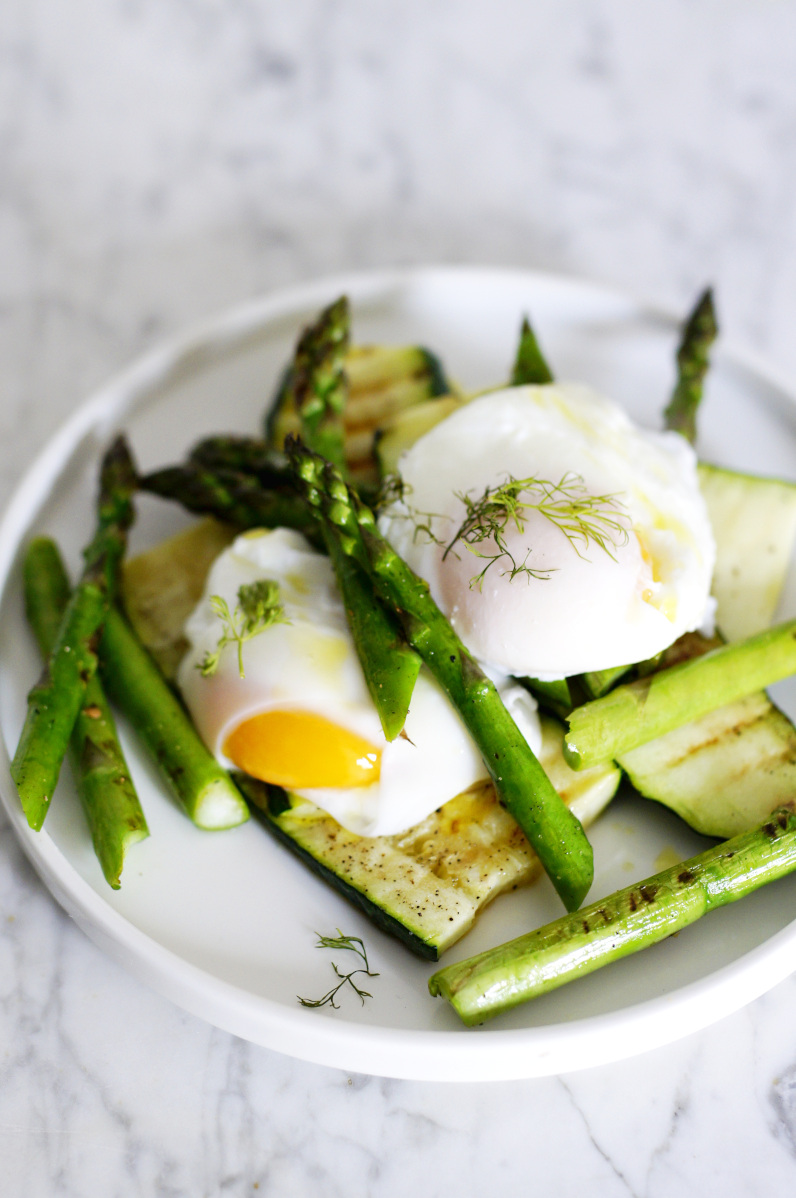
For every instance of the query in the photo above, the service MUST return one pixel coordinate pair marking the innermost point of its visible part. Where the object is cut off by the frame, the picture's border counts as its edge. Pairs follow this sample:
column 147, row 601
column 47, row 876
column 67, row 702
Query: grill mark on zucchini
column 721, row 779
column 737, row 729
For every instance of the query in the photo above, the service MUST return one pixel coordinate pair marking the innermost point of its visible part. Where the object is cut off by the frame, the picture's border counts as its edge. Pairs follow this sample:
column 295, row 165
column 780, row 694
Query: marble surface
column 164, row 158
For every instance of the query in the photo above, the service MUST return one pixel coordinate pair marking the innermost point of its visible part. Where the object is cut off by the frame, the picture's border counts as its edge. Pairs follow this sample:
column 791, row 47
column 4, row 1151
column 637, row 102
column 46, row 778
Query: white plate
column 224, row 923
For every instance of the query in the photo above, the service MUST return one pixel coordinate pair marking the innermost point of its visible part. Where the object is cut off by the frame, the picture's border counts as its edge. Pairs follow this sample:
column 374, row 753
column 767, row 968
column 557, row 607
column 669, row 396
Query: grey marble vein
column 783, row 1100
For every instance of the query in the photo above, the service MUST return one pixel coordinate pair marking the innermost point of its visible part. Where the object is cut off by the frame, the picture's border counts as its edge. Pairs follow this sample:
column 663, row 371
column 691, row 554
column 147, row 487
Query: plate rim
column 481, row 1054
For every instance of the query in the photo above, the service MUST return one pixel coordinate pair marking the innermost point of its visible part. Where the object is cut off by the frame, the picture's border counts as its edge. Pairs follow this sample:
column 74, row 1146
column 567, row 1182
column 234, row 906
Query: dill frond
column 355, row 945
column 582, row 517
column 394, row 491
column 258, row 608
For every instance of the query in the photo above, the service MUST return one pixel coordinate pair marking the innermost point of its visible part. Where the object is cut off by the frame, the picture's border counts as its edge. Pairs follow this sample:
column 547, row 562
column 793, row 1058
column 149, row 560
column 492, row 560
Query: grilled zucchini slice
column 724, row 773
column 383, row 380
column 427, row 885
column 161, row 587
column 754, row 523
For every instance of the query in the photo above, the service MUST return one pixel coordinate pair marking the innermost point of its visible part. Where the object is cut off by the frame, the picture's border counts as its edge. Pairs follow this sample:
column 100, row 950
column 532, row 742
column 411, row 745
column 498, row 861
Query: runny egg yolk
column 302, row 751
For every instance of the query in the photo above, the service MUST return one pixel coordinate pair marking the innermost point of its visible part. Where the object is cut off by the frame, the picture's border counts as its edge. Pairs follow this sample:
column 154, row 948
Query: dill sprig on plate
column 355, row 945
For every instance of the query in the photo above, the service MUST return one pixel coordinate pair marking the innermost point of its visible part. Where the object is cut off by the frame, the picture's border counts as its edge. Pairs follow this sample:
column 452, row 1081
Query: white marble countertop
column 163, row 160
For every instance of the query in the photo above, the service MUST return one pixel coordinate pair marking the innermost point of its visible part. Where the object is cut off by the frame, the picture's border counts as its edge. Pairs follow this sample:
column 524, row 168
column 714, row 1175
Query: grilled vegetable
column 408, row 426
column 317, row 390
column 316, row 387
column 383, row 381
column 521, row 783
column 754, row 523
column 54, row 701
column 426, row 886
column 190, row 771
column 627, row 921
column 102, row 776
column 530, row 365
column 231, row 496
column 161, row 587
column 699, row 333
column 722, row 773
column 640, row 711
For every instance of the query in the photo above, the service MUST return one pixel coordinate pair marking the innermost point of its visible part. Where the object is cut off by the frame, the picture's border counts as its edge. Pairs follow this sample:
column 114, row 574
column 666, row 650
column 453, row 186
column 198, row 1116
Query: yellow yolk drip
column 300, row 750
column 668, row 605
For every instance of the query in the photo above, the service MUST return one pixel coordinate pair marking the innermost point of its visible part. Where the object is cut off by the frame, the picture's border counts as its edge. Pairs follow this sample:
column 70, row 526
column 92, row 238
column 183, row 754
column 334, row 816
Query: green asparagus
column 389, row 665
column 530, row 365
column 54, row 701
column 625, row 922
column 699, row 333
column 316, row 384
column 193, row 775
column 110, row 803
column 632, row 714
column 521, row 783
column 383, row 381
column 558, row 696
column 597, row 683
column 247, row 455
column 229, row 495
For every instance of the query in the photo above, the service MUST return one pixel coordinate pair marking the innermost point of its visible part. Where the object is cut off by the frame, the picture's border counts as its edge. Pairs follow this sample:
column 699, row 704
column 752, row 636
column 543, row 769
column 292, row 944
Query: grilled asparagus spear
column 193, row 775
column 247, row 455
column 639, row 711
column 521, row 783
column 699, row 333
column 384, row 382
column 229, row 494
column 625, row 922
column 316, row 385
column 529, row 365
column 102, row 776
column 54, row 701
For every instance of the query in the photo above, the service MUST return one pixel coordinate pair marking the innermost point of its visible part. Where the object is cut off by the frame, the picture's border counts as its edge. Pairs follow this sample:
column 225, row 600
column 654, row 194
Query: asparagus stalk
column 529, row 365
column 597, row 683
column 110, row 803
column 556, row 696
column 624, row 923
column 229, row 495
column 137, row 686
column 319, row 390
column 316, row 384
column 520, row 782
column 389, row 664
column 246, row 455
column 640, row 711
column 693, row 359
column 54, row 701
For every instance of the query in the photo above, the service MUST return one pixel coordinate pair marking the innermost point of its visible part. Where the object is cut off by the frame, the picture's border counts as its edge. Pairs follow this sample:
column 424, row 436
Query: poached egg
column 607, row 563
column 607, row 560
column 302, row 716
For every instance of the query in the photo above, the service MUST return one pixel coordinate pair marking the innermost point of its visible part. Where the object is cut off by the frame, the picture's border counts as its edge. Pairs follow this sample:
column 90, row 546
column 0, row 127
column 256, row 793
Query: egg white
column 310, row 664
column 594, row 609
